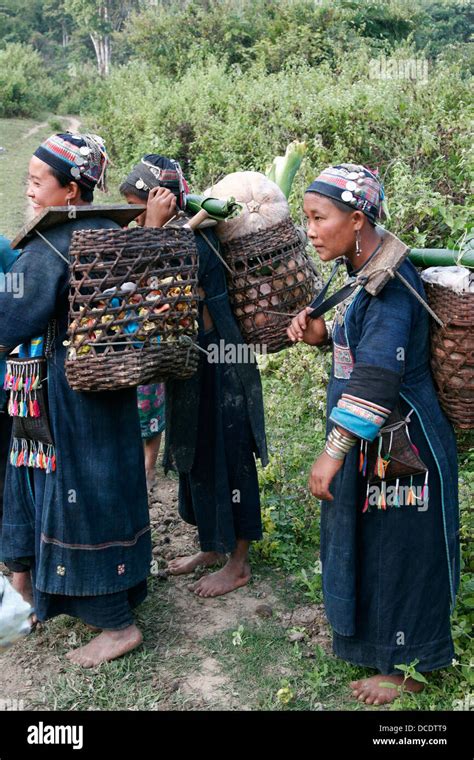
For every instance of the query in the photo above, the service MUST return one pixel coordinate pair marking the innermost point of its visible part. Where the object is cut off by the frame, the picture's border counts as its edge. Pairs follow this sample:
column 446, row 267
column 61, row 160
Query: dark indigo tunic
column 390, row 576
column 7, row 258
column 5, row 435
column 94, row 534
column 215, row 425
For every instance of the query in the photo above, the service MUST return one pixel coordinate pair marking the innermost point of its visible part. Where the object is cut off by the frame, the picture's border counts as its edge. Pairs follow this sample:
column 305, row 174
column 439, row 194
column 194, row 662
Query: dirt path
column 19, row 138
column 195, row 618
column 39, row 659
column 34, row 130
column 73, row 125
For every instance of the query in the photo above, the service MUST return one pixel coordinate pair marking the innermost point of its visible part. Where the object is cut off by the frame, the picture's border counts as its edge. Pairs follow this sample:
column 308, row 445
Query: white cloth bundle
column 459, row 279
column 14, row 614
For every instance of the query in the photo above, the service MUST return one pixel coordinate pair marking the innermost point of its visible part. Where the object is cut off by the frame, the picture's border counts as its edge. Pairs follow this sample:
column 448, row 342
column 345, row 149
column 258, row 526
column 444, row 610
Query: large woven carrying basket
column 132, row 307
column 271, row 272
column 452, row 352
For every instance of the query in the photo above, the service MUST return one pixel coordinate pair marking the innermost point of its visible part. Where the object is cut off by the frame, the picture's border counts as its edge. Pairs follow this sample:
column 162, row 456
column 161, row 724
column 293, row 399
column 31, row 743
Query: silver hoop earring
column 358, row 248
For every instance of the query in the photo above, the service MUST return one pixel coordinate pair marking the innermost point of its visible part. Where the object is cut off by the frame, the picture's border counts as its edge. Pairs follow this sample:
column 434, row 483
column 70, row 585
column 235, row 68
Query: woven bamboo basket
column 133, row 308
column 452, row 352
column 271, row 272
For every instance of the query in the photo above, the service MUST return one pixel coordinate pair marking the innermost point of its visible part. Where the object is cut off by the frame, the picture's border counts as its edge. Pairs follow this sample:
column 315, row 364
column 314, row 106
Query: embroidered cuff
column 361, row 417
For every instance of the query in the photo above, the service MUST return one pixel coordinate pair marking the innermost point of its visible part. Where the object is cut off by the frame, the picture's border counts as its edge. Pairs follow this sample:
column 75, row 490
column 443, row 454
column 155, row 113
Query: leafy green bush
column 173, row 35
column 24, row 90
column 294, row 384
column 215, row 120
column 80, row 89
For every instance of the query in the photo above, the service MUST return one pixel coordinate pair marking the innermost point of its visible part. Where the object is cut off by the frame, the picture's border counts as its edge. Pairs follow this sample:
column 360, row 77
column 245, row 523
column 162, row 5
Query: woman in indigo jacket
column 79, row 525
column 214, row 420
column 390, row 568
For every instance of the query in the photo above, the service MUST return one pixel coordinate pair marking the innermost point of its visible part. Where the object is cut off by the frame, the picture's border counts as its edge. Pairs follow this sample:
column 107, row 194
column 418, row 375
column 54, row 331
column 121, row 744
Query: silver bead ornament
column 347, row 196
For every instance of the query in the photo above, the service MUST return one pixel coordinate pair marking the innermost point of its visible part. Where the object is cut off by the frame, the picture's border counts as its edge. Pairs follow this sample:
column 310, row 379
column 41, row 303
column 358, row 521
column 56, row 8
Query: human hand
column 311, row 331
column 322, row 472
column 161, row 206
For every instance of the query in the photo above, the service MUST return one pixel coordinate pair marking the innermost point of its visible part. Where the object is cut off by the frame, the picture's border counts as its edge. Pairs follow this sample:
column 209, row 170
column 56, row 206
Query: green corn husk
column 283, row 169
column 216, row 209
column 441, row 257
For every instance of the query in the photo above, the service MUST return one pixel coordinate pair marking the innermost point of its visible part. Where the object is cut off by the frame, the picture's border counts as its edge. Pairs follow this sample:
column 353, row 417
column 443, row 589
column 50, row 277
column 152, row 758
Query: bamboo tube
column 440, row 257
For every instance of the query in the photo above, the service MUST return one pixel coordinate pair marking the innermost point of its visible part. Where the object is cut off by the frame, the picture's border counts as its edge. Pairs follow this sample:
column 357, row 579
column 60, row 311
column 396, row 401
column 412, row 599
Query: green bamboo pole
column 440, row 257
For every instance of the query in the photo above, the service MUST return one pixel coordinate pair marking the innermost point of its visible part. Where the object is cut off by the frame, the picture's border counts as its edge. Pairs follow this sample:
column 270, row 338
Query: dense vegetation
column 225, row 85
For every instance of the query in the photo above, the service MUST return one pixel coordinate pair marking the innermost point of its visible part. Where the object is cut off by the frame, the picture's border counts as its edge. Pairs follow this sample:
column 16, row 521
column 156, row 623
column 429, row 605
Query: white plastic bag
column 14, row 614
column 458, row 279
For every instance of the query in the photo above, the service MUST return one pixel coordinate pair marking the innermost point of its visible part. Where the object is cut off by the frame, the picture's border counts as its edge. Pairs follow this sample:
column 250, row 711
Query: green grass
column 264, row 661
column 14, row 169
column 146, row 679
column 294, row 385
column 259, row 662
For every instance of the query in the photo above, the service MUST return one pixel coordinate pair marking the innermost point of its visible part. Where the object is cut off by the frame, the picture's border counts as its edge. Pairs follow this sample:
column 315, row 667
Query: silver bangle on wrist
column 338, row 444
column 347, row 440
column 334, row 454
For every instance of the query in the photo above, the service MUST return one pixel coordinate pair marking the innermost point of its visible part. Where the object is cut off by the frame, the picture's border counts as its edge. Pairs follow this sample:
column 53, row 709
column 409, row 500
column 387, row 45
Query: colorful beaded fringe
column 33, row 454
column 380, row 469
column 22, row 380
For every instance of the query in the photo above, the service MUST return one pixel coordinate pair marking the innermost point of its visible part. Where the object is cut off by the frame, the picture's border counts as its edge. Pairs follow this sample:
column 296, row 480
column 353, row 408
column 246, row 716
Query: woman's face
column 331, row 231
column 44, row 190
column 134, row 200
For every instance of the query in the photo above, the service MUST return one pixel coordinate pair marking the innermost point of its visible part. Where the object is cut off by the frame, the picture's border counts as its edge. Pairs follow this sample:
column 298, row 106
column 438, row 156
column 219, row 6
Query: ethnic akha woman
column 214, row 420
column 390, row 552
column 75, row 527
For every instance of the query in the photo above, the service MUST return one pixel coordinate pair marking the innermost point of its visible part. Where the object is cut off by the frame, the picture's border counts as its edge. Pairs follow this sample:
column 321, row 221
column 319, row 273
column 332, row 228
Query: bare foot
column 370, row 690
column 233, row 575
column 107, row 646
column 21, row 582
column 184, row 565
